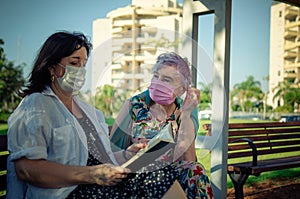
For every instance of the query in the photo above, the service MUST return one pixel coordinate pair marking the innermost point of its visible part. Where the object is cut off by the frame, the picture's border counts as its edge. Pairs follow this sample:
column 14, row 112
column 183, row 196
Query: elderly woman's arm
column 185, row 147
column 47, row 174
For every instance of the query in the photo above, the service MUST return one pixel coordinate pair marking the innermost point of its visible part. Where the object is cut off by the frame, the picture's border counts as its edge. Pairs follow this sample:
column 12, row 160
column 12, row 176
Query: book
column 157, row 146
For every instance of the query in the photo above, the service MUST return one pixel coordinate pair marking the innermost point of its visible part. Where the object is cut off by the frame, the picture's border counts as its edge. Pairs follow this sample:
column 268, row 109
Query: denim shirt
column 41, row 127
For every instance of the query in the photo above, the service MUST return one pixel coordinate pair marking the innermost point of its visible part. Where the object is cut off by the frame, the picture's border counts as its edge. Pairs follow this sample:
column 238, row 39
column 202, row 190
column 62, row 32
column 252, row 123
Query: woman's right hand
column 108, row 174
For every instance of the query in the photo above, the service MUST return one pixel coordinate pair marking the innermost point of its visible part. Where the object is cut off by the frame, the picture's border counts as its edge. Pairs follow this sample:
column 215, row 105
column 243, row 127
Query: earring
column 52, row 78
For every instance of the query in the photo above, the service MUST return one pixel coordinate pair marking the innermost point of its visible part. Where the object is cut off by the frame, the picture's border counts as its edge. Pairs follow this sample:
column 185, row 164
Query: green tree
column 109, row 100
column 246, row 95
column 205, row 96
column 289, row 94
column 11, row 80
column 104, row 98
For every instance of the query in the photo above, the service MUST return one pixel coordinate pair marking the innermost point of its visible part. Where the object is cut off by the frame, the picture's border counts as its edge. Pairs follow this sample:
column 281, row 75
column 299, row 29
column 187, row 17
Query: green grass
column 203, row 157
column 3, row 128
column 110, row 121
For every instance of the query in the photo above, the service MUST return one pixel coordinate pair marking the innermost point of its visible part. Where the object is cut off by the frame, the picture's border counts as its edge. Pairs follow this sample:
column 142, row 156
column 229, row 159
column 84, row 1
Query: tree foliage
column 109, row 100
column 246, row 95
column 11, row 80
column 289, row 93
column 205, row 96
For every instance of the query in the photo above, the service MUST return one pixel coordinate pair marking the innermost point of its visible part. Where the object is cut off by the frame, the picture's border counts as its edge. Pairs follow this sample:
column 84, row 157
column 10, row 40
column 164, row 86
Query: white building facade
column 127, row 42
column 284, row 48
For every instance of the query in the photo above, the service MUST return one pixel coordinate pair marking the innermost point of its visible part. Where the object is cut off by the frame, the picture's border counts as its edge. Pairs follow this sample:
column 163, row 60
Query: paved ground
column 275, row 189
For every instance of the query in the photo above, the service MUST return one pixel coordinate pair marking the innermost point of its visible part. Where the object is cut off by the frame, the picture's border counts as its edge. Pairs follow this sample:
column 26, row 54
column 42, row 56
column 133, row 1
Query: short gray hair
column 173, row 59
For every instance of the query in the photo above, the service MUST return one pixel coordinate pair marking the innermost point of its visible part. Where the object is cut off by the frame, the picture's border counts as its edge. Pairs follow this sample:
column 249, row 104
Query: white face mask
column 73, row 79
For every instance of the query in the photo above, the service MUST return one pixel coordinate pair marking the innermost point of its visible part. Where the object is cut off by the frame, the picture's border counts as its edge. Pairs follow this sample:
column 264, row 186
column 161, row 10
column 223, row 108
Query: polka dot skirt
column 151, row 182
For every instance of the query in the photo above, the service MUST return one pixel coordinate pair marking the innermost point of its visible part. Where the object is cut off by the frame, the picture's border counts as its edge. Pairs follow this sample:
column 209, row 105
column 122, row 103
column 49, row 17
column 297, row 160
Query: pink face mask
column 161, row 92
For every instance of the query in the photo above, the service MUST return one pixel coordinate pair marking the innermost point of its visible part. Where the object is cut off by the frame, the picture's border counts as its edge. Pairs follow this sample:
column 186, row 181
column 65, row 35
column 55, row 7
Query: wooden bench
column 3, row 158
column 263, row 147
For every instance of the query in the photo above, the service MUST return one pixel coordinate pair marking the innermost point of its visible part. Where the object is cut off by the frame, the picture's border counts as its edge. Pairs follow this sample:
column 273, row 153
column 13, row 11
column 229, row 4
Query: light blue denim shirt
column 41, row 127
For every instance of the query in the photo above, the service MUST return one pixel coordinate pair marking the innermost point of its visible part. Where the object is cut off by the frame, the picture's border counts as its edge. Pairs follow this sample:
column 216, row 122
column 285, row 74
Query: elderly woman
column 168, row 100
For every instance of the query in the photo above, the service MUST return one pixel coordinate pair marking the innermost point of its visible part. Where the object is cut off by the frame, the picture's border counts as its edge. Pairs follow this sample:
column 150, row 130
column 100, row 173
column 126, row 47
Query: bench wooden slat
column 272, row 137
column 239, row 132
column 266, row 165
column 239, row 147
column 262, row 125
column 264, row 152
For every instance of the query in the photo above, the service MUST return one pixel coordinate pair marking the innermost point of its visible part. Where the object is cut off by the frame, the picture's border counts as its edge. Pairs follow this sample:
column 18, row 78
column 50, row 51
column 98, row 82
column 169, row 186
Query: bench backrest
column 269, row 138
column 3, row 158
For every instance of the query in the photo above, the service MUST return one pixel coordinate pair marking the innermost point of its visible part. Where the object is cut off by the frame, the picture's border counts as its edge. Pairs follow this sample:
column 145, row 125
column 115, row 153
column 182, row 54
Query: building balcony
column 148, row 47
column 117, row 48
column 151, row 12
column 120, row 41
column 150, row 30
column 290, row 55
column 293, row 24
column 292, row 66
column 291, row 12
column 289, row 75
column 139, row 76
column 117, row 30
column 118, row 76
column 122, row 23
column 116, row 66
column 291, row 46
column 125, row 12
column 290, row 34
column 129, row 57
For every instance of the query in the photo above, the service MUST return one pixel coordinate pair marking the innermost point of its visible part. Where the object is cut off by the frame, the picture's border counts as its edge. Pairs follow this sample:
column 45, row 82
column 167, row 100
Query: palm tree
column 246, row 93
column 289, row 94
column 104, row 98
column 110, row 100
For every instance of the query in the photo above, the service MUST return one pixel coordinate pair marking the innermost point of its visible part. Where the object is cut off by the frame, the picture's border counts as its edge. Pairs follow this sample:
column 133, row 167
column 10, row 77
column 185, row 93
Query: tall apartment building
column 127, row 42
column 284, row 48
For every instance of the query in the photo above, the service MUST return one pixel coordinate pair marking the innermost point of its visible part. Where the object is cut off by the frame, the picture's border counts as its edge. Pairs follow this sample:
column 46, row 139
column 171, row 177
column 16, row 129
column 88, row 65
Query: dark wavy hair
column 57, row 46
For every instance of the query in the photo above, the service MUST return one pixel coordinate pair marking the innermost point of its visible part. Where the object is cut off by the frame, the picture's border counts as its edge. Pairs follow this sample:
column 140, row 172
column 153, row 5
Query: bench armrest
column 253, row 147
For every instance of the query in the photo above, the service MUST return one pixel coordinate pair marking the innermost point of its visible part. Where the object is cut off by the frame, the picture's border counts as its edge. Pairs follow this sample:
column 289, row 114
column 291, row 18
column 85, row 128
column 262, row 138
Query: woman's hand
column 108, row 174
column 134, row 148
column 192, row 100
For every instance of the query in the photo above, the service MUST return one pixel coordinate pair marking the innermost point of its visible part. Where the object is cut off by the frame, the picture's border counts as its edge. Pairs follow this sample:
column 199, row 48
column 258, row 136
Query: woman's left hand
column 134, row 148
column 192, row 99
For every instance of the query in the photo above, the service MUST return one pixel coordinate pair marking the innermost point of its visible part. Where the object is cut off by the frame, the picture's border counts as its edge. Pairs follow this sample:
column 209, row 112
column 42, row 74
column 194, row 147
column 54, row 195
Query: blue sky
column 26, row 24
